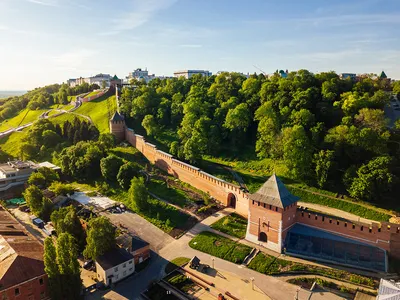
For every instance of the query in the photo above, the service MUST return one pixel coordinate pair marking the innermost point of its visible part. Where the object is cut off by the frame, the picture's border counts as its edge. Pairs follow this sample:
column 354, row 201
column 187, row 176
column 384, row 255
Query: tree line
column 329, row 132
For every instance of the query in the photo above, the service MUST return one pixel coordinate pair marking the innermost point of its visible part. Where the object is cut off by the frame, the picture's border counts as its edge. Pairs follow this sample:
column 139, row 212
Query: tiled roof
column 274, row 192
column 21, row 255
column 131, row 243
column 388, row 290
column 117, row 117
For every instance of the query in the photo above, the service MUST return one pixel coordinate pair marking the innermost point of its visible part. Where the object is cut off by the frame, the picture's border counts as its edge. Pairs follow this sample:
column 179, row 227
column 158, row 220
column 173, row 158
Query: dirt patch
column 177, row 232
column 217, row 243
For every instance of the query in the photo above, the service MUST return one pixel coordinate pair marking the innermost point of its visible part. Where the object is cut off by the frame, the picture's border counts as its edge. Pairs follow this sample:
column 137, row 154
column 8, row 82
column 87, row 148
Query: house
column 352, row 76
column 134, row 245
column 189, row 73
column 388, row 290
column 22, row 274
column 114, row 266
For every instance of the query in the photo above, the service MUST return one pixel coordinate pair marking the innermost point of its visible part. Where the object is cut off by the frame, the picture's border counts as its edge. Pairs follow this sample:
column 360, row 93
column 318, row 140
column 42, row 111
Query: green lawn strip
column 98, row 111
column 93, row 93
column 170, row 194
column 181, row 282
column 175, row 263
column 234, row 225
column 306, row 282
column 130, row 154
column 220, row 246
column 350, row 207
column 270, row 265
column 25, row 116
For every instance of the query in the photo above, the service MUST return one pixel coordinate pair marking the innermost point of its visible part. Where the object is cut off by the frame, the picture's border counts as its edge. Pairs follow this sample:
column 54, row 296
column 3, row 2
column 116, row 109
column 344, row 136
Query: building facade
column 22, row 274
column 98, row 79
column 13, row 176
column 134, row 245
column 114, row 266
column 189, row 73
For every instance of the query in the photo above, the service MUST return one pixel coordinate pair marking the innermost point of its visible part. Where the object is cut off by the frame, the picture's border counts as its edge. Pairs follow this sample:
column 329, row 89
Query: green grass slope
column 9, row 145
column 100, row 111
column 24, row 117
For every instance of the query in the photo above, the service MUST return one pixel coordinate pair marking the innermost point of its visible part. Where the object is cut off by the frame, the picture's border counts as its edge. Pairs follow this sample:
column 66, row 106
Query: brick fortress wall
column 215, row 187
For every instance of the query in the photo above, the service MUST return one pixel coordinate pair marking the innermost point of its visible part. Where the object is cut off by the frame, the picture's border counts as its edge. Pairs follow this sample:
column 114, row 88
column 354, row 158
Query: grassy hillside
column 10, row 144
column 94, row 93
column 65, row 117
column 24, row 117
column 100, row 111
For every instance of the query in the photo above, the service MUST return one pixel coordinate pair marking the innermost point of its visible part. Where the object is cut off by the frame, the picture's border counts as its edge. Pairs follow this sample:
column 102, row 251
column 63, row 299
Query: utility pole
column 252, row 283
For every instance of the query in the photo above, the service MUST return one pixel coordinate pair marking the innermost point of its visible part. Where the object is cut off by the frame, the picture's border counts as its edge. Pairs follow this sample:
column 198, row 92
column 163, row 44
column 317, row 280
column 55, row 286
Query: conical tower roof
column 383, row 75
column 274, row 192
column 117, row 117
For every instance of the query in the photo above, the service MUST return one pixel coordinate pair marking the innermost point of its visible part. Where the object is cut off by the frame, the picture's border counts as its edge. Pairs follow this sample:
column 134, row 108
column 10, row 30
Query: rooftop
column 131, row 243
column 274, row 192
column 388, row 290
column 113, row 258
column 21, row 255
column 117, row 117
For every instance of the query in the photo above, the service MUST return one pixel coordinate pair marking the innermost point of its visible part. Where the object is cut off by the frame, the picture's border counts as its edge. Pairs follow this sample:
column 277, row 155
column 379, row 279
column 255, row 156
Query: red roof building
column 22, row 274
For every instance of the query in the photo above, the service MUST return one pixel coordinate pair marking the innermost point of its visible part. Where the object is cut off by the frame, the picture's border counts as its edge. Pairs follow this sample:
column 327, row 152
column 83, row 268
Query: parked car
column 88, row 264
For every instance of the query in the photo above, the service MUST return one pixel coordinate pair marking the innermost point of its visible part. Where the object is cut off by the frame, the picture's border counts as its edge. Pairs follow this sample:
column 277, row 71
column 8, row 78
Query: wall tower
column 117, row 127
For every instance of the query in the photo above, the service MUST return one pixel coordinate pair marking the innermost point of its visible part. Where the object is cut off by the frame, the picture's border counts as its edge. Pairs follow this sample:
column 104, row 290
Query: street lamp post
column 213, row 259
column 252, row 282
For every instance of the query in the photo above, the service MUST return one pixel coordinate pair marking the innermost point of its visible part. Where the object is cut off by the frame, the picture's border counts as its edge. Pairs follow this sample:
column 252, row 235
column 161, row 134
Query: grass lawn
column 9, row 145
column 64, row 118
column 175, row 263
column 130, row 154
column 270, row 265
column 234, row 225
column 93, row 93
column 100, row 111
column 181, row 282
column 171, row 194
column 220, row 246
column 24, row 117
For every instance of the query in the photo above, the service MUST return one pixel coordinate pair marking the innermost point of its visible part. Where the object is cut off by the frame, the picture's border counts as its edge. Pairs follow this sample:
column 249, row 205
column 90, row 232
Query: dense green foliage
column 234, row 225
column 110, row 166
column 137, row 195
column 37, row 203
column 66, row 220
column 62, row 267
column 220, row 246
column 62, row 189
column 100, row 237
column 320, row 126
column 126, row 173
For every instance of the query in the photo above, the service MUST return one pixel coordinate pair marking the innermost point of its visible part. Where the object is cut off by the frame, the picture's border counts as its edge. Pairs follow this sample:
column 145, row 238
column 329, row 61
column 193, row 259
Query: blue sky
column 48, row 41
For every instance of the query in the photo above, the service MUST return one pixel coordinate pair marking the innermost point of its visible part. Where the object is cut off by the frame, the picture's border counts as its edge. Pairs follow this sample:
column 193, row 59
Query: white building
column 189, row 73
column 352, row 76
column 97, row 79
column 140, row 74
column 114, row 266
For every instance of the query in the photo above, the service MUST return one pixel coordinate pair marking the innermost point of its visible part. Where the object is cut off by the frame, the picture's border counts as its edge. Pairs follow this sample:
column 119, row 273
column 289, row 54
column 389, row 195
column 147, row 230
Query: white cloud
column 44, row 2
column 72, row 60
column 143, row 11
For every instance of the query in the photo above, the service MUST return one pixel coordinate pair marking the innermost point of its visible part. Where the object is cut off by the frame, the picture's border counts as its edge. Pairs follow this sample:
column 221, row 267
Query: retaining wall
column 87, row 99
column 215, row 187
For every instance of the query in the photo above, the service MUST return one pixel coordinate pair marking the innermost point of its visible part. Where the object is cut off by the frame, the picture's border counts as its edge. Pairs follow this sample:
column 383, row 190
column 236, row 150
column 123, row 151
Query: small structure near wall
column 134, row 245
column 114, row 266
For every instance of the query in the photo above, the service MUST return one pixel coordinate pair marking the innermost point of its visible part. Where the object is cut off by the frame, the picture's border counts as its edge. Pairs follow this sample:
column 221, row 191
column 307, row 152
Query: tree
column 34, row 199
column 323, row 162
column 137, row 194
column 297, row 151
column 68, row 266
column 109, row 167
column 37, row 179
column 50, row 138
column 60, row 188
column 372, row 118
column 125, row 174
column 51, row 269
column 238, row 118
column 373, row 180
column 107, row 140
column 150, row 125
column 66, row 220
column 100, row 237
column 49, row 175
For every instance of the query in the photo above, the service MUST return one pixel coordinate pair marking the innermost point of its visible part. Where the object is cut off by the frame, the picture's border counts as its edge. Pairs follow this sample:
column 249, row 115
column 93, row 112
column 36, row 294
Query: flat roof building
column 189, row 73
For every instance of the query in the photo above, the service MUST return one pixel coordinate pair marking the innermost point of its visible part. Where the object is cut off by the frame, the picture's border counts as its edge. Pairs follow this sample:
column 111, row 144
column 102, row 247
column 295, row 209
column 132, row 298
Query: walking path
column 335, row 212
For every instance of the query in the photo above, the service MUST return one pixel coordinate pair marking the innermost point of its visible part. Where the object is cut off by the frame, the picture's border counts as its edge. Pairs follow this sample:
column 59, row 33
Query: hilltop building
column 140, row 75
column 98, row 79
column 22, row 274
column 189, row 73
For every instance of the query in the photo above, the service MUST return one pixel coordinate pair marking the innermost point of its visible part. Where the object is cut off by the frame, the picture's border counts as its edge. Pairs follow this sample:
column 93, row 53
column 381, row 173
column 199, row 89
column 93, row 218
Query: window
column 116, row 277
column 130, row 262
column 258, row 203
column 130, row 269
column 41, row 281
column 116, row 269
column 124, row 273
column 270, row 207
column 16, row 291
column 276, row 208
column 42, row 295
column 124, row 266
column 253, row 202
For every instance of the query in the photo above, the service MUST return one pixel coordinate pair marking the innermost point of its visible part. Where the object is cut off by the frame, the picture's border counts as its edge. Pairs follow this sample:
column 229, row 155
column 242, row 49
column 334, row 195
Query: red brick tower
column 272, row 211
column 117, row 127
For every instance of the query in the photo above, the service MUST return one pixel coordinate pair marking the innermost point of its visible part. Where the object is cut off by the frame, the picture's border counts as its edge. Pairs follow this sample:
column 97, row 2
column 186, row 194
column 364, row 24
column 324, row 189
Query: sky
column 49, row 41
